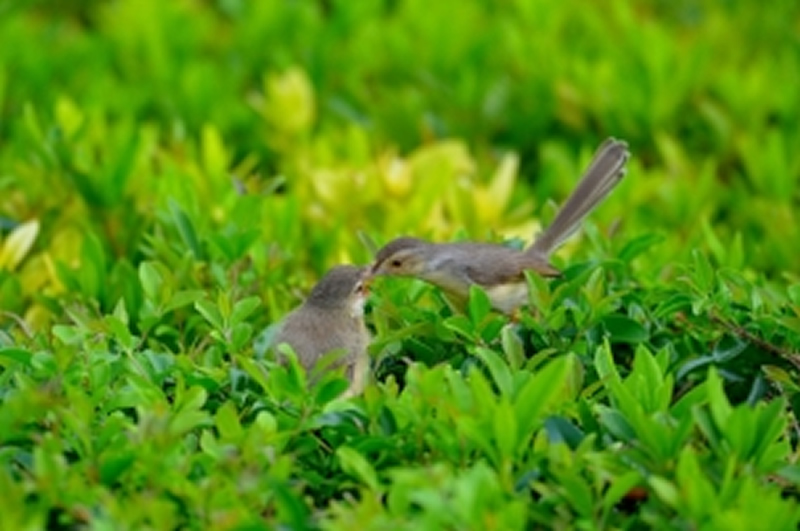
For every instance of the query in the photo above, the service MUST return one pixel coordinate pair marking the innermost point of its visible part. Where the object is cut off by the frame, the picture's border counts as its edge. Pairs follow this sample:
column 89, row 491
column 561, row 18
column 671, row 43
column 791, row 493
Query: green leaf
column 243, row 309
column 357, row 466
column 713, row 242
column 183, row 298
column 578, row 493
column 639, row 245
column 18, row 355
column 672, row 304
column 294, row 375
column 152, row 281
column 122, row 167
column 623, row 329
column 210, row 445
column 115, row 465
column 69, row 335
column 654, row 391
column 616, row 423
column 329, row 390
column 478, row 305
column 18, row 244
column 703, row 273
column 227, row 422
column 736, row 252
column 119, row 332
column 561, row 430
column 211, row 313
column 387, row 421
column 92, row 273
column 604, row 364
column 692, row 399
column 188, row 414
column 214, row 156
column 267, row 423
column 505, row 429
column 186, row 229
column 512, row 347
column 535, row 397
column 188, row 420
column 770, row 425
column 499, row 369
column 794, row 295
column 720, row 407
column 481, row 390
column 666, row 490
column 256, row 371
column 697, row 490
column 240, row 336
column 479, row 436
column 704, row 421
column 461, row 325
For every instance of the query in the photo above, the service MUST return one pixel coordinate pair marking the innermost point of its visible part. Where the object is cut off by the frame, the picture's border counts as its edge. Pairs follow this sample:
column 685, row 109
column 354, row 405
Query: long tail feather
column 604, row 172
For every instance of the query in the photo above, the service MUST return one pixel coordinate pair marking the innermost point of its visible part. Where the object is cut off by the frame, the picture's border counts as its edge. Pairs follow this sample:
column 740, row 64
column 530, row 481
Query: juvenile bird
column 496, row 268
column 332, row 318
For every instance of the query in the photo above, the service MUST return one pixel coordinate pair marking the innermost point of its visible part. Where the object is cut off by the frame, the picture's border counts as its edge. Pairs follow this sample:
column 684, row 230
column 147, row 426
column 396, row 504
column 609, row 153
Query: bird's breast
column 357, row 308
column 508, row 297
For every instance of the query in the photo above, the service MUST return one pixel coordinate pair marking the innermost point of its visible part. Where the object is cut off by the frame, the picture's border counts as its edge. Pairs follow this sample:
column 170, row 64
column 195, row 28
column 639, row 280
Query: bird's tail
column 605, row 171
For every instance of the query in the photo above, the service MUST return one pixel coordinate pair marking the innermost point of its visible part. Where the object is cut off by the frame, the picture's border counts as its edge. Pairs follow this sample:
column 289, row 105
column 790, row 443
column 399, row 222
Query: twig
column 743, row 333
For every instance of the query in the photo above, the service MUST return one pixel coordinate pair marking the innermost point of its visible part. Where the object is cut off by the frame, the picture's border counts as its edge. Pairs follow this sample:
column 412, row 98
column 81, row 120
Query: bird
column 496, row 268
column 332, row 319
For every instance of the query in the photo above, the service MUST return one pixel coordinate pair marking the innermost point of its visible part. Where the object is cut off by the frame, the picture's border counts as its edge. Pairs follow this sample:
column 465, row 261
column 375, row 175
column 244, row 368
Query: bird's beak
column 367, row 276
column 373, row 271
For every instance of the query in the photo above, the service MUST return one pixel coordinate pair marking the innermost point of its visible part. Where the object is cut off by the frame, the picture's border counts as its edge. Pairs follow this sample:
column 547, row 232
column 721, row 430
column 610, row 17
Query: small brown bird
column 496, row 268
column 332, row 318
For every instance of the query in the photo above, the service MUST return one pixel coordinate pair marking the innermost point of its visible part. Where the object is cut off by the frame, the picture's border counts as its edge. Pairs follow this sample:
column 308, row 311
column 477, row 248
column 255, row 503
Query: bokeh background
column 291, row 126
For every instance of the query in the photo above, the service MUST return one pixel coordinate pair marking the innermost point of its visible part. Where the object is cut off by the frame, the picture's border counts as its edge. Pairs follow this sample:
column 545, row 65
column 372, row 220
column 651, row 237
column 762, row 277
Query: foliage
column 174, row 176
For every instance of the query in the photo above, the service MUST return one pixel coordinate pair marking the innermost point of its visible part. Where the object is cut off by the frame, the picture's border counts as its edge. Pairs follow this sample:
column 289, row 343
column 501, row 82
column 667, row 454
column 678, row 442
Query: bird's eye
column 396, row 262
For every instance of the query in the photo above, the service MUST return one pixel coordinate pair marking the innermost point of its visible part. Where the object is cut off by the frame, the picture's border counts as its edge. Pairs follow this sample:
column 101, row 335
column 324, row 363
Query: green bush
column 174, row 176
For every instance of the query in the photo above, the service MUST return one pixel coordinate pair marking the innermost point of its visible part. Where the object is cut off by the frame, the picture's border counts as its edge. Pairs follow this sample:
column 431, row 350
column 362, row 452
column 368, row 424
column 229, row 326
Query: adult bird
column 498, row 269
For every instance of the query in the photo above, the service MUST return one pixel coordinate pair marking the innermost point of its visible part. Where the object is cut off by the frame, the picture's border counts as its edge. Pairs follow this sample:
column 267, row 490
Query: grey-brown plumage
column 332, row 318
column 497, row 268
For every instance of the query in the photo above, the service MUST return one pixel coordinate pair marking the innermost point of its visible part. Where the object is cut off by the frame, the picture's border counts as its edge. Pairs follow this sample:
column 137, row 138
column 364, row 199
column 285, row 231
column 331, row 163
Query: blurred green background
column 289, row 126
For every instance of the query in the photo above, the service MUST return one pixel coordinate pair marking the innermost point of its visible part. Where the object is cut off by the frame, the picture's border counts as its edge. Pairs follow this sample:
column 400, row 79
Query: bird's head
column 402, row 257
column 342, row 287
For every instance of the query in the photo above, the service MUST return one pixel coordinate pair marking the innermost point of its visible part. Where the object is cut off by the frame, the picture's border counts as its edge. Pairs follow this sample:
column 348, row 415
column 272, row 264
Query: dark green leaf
column 622, row 329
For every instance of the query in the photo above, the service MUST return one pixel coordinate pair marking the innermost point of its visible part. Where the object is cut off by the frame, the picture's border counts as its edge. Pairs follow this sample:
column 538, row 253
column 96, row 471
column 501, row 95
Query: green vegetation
column 174, row 176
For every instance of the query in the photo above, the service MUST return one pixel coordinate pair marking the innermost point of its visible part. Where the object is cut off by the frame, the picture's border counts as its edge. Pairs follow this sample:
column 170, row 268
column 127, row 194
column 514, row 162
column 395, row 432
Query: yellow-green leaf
column 18, row 244
column 356, row 465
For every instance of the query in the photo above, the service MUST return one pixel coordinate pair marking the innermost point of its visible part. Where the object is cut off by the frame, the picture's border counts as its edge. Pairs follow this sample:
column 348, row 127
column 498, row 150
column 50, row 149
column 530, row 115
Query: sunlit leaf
column 18, row 244
column 498, row 368
column 356, row 465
